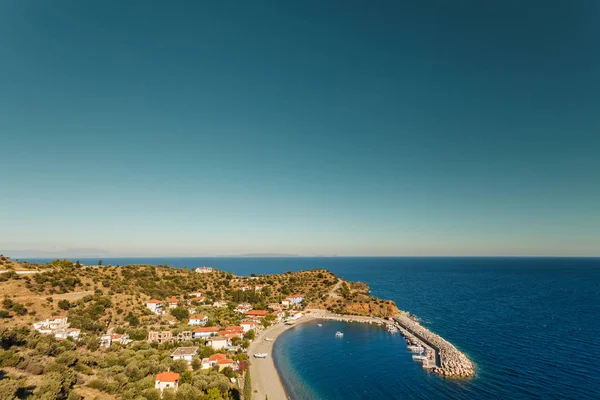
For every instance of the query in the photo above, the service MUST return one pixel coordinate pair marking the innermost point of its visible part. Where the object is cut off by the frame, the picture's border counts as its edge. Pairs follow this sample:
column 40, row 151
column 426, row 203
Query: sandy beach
column 265, row 378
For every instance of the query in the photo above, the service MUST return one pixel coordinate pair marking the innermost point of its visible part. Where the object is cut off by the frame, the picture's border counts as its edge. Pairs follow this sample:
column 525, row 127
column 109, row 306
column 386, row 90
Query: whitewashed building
column 166, row 380
column 185, row 353
column 198, row 320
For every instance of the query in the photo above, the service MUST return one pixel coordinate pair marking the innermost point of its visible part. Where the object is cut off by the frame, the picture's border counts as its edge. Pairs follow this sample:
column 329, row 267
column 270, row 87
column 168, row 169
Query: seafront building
column 204, row 270
column 249, row 325
column 256, row 315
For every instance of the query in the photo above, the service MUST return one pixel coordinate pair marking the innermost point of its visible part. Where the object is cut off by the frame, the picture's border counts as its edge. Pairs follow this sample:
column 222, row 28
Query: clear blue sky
column 314, row 127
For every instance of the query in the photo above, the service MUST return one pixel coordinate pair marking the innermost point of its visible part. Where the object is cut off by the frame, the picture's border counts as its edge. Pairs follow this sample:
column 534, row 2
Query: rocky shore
column 450, row 362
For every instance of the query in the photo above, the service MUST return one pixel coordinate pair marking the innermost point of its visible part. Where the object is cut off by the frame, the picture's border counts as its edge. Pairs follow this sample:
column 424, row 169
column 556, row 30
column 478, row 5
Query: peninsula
column 143, row 331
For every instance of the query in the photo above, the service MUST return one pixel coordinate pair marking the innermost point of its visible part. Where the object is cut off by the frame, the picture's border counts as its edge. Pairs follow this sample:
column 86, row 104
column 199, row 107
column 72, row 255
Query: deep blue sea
column 531, row 325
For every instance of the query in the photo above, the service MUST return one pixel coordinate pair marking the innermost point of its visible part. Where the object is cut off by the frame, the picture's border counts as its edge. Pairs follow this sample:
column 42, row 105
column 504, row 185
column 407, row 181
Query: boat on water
column 419, row 357
column 339, row 334
column 392, row 329
column 415, row 349
column 319, row 324
column 260, row 355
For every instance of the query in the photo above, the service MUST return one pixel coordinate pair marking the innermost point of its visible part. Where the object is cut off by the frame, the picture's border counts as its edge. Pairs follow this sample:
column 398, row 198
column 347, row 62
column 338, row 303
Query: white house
column 155, row 306
column 243, row 308
column 245, row 288
column 195, row 294
column 118, row 338
column 218, row 342
column 258, row 288
column 105, row 340
column 198, row 320
column 204, row 270
column 66, row 333
column 249, row 325
column 185, row 353
column 52, row 324
column 294, row 315
column 204, row 332
column 278, row 315
column 166, row 380
column 220, row 304
column 296, row 299
column 173, row 302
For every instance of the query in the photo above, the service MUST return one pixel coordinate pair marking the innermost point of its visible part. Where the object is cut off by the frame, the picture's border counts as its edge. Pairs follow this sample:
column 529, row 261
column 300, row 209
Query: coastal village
column 159, row 332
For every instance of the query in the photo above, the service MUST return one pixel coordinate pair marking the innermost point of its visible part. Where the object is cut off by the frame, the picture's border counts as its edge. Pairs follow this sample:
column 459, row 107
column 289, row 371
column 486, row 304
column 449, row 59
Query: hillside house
column 198, row 320
column 160, row 337
column 218, row 342
column 52, row 324
column 204, row 270
column 243, row 308
column 155, row 306
column 184, row 353
column 166, row 380
column 204, row 332
column 173, row 302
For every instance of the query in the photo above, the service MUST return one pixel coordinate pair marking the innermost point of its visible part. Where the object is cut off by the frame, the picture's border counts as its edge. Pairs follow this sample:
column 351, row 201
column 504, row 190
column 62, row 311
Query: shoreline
column 265, row 377
column 267, row 381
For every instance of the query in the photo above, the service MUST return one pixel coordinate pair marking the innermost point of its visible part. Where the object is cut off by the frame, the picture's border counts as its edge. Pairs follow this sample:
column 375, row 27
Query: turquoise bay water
column 531, row 325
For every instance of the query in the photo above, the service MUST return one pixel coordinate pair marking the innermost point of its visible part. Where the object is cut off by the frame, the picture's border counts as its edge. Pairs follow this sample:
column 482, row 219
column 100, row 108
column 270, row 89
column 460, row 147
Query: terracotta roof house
column 204, row 332
column 248, row 325
column 166, row 380
column 256, row 314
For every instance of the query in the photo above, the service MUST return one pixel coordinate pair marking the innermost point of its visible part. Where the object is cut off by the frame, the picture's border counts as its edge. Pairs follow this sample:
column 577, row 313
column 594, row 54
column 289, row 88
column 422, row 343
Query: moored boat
column 339, row 334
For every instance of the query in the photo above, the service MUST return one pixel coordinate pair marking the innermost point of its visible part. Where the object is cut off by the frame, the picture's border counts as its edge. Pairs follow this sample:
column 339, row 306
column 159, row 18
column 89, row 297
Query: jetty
column 442, row 357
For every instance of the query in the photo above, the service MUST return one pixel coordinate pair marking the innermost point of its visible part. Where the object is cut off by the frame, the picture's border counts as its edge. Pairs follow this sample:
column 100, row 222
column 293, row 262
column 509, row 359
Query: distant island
column 154, row 332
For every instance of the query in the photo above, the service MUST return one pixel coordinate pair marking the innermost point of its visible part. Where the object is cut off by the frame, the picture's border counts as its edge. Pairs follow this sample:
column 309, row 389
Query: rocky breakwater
column 452, row 363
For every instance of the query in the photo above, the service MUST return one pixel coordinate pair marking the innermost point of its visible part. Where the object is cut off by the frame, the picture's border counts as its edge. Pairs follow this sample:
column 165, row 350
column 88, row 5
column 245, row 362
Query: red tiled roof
column 167, row 377
column 197, row 299
column 217, row 357
column 258, row 313
column 153, row 302
column 173, row 300
column 225, row 361
column 234, row 328
column 206, row 329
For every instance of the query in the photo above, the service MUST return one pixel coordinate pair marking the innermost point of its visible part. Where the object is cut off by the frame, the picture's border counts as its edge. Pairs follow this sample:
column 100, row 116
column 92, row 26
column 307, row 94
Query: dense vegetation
column 101, row 299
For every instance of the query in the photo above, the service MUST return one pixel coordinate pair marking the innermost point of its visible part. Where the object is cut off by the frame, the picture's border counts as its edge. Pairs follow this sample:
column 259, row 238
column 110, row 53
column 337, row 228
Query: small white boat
column 339, row 334
column 260, row 355
column 415, row 349
column 419, row 357
column 268, row 339
column 392, row 329
column 319, row 324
